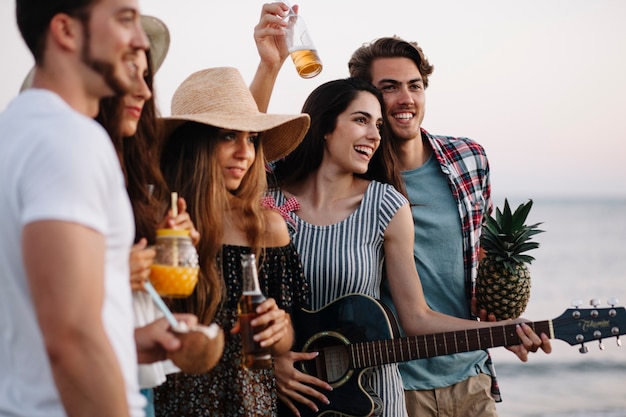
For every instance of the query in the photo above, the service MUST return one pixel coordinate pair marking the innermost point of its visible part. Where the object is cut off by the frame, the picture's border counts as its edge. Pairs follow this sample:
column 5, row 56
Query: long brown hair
column 324, row 105
column 138, row 155
column 189, row 165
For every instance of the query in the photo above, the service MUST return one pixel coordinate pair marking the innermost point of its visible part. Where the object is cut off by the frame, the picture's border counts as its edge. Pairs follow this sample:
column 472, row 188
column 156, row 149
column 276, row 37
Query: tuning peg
column 583, row 348
column 576, row 303
column 612, row 301
column 615, row 331
column 598, row 335
column 594, row 302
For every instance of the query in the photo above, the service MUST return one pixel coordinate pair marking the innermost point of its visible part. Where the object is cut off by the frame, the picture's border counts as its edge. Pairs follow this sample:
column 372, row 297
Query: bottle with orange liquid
column 301, row 48
column 254, row 356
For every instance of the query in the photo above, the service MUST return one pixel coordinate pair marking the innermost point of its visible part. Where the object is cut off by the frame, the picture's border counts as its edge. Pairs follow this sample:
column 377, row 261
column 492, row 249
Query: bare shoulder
column 276, row 232
column 401, row 224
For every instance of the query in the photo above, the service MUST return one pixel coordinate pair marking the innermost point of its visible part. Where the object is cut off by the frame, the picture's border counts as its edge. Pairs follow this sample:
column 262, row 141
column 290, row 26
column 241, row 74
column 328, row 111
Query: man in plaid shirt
column 447, row 182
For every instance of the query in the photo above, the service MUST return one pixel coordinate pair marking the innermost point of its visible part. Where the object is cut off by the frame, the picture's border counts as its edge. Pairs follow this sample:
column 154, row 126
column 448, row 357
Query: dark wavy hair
column 139, row 159
column 360, row 64
column 324, row 105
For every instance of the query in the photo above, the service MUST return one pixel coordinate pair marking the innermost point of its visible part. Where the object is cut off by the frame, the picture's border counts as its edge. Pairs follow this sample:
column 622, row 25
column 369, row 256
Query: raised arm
column 270, row 42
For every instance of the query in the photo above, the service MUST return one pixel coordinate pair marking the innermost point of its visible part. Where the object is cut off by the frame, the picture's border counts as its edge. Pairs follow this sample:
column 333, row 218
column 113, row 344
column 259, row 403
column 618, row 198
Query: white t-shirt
column 57, row 164
column 153, row 374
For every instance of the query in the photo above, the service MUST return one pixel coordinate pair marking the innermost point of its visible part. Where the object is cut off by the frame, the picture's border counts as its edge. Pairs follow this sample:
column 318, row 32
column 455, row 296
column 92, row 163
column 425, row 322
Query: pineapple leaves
column 506, row 236
column 503, row 279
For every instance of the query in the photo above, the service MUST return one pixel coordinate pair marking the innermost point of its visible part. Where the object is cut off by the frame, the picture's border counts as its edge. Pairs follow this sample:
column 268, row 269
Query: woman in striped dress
column 340, row 227
column 351, row 228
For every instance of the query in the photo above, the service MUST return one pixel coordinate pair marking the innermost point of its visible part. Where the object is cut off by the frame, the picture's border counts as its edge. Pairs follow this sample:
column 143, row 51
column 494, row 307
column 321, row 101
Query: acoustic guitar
column 355, row 333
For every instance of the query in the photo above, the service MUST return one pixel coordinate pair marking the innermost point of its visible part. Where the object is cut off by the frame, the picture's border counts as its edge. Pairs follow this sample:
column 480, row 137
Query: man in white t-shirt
column 67, row 342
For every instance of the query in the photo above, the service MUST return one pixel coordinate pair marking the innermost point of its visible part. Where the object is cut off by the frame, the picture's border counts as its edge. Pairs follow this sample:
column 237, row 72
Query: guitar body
column 349, row 319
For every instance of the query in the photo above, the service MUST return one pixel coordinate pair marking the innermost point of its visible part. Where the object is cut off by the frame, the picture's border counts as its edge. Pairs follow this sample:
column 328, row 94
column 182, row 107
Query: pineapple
column 503, row 282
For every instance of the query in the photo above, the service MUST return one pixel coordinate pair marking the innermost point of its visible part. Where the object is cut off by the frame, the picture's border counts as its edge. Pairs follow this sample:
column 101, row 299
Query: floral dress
column 229, row 390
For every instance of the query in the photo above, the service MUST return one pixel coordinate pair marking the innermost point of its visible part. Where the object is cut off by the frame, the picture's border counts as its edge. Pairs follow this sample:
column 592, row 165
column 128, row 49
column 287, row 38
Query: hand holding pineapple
column 503, row 282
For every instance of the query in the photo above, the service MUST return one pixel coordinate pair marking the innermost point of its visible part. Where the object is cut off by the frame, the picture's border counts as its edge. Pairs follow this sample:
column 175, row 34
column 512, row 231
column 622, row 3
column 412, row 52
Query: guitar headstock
column 577, row 326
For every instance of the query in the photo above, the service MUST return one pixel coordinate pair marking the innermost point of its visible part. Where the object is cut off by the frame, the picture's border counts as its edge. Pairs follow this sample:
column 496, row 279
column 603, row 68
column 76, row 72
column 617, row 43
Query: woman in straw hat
column 214, row 153
column 131, row 122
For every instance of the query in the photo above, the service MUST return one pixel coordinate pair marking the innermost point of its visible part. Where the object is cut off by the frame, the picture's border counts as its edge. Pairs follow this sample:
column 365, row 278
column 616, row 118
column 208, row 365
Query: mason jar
column 174, row 272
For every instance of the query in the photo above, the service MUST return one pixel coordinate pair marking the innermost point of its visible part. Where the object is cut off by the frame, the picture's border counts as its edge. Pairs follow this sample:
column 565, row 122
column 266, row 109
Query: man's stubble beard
column 104, row 68
column 406, row 135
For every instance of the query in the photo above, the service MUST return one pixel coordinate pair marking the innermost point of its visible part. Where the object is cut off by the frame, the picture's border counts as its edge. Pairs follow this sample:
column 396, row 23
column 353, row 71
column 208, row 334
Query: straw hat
column 159, row 37
column 219, row 97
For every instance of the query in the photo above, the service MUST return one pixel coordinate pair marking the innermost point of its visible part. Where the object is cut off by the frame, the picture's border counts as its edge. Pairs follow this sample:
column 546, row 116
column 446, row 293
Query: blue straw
column 159, row 302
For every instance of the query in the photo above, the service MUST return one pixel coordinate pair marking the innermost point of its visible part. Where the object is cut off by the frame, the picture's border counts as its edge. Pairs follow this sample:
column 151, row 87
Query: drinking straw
column 181, row 326
column 174, row 197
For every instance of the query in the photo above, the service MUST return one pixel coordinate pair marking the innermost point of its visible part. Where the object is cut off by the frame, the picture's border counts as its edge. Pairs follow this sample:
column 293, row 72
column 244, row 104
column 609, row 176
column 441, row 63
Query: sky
column 539, row 83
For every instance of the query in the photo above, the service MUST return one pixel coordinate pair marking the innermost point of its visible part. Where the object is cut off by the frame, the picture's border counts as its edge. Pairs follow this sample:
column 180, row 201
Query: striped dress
column 347, row 257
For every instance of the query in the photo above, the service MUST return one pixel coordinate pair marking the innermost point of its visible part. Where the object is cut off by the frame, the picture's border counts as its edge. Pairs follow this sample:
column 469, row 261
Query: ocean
column 582, row 256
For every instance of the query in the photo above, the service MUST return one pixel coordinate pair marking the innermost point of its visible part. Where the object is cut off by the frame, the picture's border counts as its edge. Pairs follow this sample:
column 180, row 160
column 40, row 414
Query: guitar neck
column 381, row 352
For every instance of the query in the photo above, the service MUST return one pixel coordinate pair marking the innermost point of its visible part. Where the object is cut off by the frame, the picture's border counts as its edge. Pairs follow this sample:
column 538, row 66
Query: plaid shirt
column 465, row 164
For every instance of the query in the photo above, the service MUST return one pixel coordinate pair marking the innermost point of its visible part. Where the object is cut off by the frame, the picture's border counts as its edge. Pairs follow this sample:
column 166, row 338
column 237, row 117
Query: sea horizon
column 582, row 256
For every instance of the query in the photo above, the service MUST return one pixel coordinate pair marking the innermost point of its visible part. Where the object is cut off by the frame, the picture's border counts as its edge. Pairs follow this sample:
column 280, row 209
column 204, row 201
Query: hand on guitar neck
column 528, row 338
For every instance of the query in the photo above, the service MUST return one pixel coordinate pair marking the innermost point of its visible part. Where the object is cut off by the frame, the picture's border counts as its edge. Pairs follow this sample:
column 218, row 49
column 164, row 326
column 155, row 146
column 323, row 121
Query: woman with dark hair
column 336, row 176
column 328, row 101
column 131, row 121
column 353, row 230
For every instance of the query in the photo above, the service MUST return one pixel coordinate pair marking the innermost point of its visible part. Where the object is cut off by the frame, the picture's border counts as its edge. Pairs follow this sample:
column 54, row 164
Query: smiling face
column 133, row 103
column 236, row 152
column 356, row 136
column 113, row 36
column 403, row 92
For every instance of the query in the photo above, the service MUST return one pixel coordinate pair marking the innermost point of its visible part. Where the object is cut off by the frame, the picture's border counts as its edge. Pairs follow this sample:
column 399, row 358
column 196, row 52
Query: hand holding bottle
column 265, row 328
column 300, row 45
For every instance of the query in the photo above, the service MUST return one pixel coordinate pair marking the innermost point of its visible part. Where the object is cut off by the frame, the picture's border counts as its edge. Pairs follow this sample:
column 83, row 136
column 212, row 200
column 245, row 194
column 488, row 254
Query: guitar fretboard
column 375, row 353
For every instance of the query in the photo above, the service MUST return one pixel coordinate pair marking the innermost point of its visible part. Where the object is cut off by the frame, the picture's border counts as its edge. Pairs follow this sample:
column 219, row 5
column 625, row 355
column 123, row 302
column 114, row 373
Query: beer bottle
column 254, row 356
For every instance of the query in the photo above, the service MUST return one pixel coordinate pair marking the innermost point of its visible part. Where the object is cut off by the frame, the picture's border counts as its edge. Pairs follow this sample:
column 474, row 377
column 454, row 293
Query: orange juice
column 173, row 281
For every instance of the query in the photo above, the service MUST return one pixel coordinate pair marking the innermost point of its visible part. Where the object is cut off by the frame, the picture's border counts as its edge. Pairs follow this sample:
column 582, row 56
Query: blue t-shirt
column 438, row 252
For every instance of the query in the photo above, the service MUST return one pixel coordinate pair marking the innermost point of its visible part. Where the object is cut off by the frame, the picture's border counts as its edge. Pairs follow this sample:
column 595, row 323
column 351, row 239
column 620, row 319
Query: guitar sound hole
column 332, row 363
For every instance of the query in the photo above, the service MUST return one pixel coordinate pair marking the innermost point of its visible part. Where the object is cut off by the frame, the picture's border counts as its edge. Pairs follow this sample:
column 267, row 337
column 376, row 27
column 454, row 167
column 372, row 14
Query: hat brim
column 28, row 80
column 159, row 37
column 280, row 134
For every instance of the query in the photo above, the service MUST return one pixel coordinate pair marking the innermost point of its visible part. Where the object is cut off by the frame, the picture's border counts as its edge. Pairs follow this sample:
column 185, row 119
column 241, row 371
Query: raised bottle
column 300, row 46
column 254, row 356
